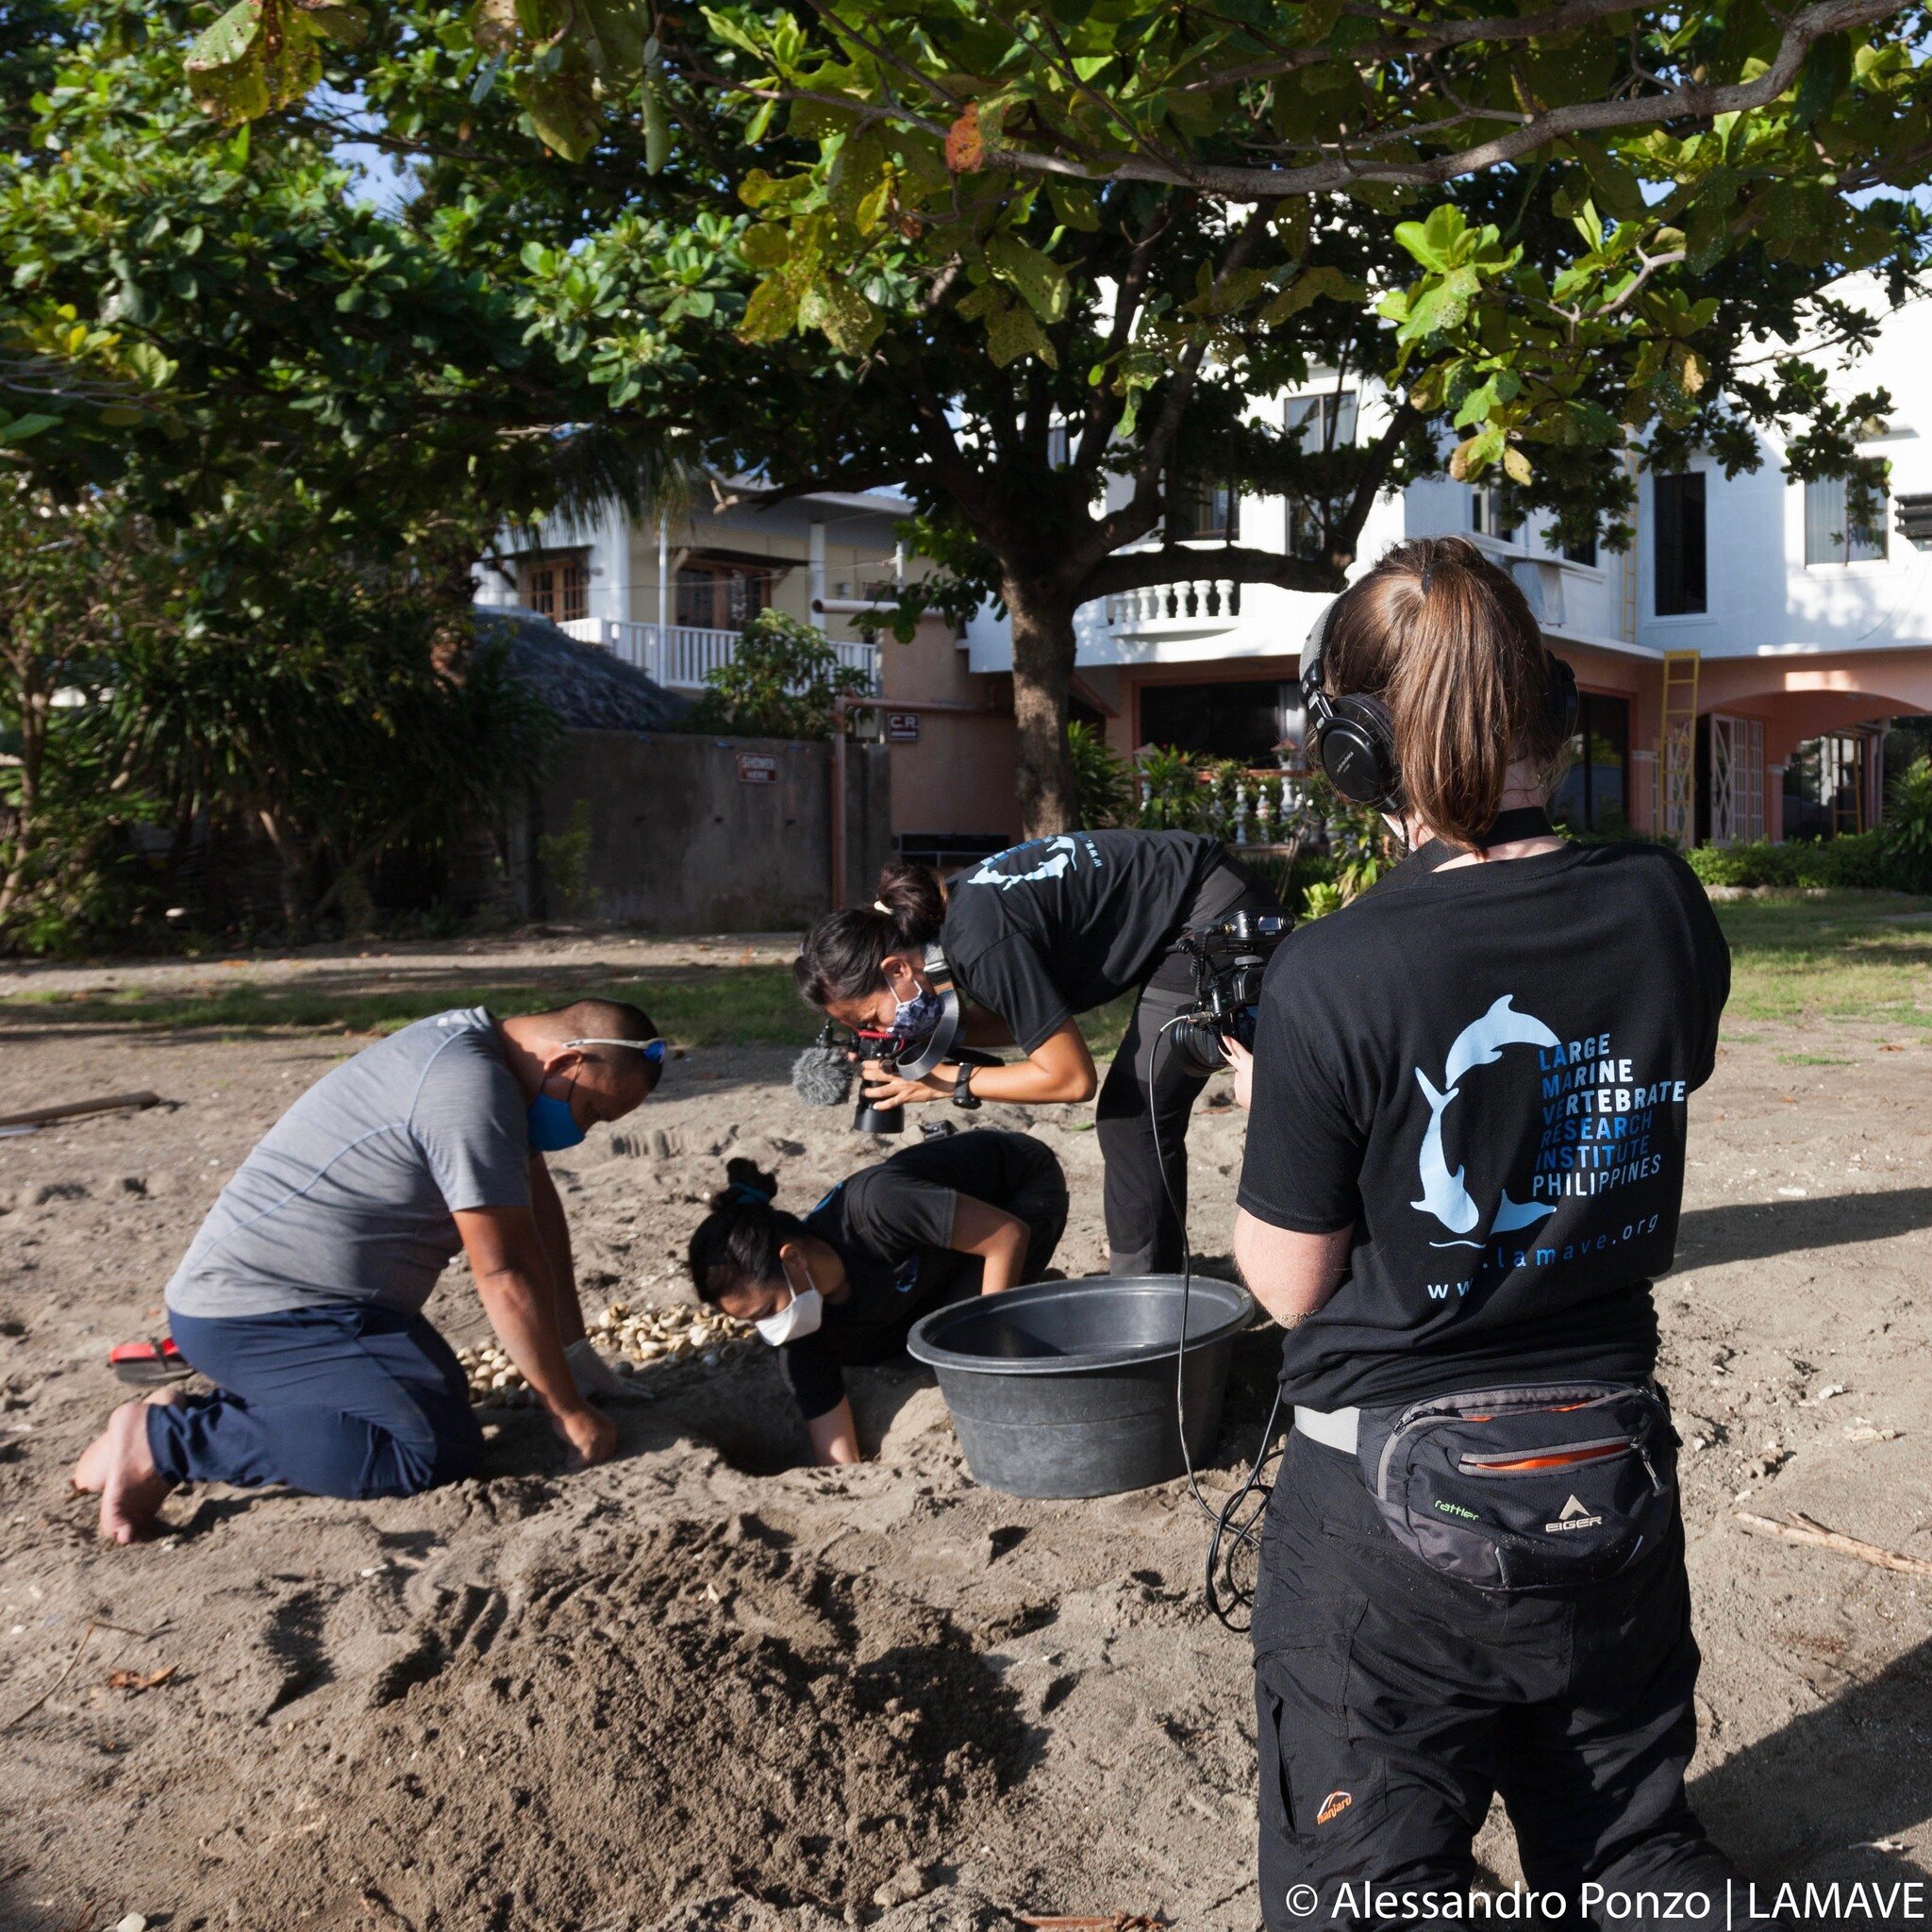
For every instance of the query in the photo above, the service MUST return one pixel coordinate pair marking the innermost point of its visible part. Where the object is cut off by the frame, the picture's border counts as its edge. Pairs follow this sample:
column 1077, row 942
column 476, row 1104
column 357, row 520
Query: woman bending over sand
column 842, row 1286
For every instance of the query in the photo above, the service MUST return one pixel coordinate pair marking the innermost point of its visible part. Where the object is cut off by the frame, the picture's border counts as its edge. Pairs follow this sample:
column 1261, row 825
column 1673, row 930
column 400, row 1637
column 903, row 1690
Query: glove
column 593, row 1375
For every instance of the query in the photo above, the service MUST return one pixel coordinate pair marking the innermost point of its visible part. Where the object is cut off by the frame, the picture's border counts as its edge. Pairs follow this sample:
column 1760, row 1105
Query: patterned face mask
column 916, row 1017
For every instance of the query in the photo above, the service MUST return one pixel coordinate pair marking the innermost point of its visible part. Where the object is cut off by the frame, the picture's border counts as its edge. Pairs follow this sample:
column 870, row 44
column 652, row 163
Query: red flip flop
column 148, row 1364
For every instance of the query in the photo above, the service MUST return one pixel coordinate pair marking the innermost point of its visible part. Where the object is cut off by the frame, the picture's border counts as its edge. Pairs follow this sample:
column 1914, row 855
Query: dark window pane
column 1677, row 503
column 1594, row 795
column 721, row 597
column 1226, row 721
column 1583, row 551
column 1197, row 510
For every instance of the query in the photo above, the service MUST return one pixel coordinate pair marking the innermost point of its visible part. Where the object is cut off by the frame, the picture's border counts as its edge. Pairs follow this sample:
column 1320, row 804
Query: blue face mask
column 552, row 1126
column 916, row 1017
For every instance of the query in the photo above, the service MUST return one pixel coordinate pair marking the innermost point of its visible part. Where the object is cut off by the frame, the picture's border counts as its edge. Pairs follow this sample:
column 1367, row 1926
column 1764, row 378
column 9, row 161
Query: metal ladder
column 1676, row 765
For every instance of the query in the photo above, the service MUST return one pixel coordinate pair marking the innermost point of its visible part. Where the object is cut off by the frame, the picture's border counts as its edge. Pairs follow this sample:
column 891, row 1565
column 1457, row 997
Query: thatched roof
column 589, row 689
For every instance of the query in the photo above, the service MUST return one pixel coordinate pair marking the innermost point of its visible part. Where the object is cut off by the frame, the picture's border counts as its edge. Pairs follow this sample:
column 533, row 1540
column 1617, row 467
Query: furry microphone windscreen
column 821, row 1075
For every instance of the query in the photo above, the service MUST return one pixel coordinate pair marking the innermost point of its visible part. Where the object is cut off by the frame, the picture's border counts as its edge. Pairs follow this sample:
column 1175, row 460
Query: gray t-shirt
column 349, row 1196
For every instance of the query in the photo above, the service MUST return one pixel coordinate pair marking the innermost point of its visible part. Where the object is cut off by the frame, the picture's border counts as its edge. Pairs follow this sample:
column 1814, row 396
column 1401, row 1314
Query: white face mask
column 799, row 1317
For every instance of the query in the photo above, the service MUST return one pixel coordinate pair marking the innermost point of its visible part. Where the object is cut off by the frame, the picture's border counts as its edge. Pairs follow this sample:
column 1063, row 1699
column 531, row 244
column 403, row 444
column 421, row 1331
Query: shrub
column 1906, row 833
column 1102, row 780
column 1177, row 801
column 782, row 682
column 1855, row 861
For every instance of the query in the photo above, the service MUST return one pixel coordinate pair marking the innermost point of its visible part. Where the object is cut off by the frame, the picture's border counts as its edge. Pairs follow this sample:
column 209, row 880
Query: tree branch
column 1173, row 564
column 1699, row 101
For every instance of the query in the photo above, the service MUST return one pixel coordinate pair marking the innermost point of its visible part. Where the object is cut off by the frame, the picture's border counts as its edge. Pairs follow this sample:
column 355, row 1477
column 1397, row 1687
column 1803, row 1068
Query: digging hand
column 589, row 1434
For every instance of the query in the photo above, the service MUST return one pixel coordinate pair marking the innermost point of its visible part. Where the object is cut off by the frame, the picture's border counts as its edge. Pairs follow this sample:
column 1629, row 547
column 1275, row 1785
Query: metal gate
column 1737, row 779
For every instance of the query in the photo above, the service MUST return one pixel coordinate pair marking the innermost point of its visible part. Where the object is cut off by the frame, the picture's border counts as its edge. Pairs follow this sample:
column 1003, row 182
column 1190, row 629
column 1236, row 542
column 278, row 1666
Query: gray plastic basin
column 1066, row 1389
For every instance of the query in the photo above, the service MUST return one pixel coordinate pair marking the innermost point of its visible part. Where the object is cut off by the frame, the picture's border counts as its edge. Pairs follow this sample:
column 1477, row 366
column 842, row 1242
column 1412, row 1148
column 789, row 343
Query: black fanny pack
column 1528, row 1489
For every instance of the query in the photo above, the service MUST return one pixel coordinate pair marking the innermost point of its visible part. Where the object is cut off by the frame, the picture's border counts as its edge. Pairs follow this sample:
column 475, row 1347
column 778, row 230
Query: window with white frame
column 1321, row 422
column 1843, row 524
column 1492, row 511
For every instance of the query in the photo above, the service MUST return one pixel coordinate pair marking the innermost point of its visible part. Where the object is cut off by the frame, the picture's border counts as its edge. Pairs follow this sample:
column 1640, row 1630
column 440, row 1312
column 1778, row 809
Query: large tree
column 254, row 434
column 1035, row 267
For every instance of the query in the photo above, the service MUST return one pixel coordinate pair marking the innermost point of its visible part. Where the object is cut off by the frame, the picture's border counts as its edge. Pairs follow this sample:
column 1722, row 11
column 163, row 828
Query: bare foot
column 132, row 1490
column 91, row 1472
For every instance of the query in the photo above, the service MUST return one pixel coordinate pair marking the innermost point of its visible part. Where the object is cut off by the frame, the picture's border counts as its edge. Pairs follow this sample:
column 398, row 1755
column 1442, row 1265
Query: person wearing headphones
column 965, row 1214
column 1464, row 1167
column 1029, row 939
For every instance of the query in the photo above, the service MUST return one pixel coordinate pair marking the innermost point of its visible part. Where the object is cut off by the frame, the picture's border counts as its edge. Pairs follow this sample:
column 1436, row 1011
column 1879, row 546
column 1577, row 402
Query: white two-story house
column 1737, row 663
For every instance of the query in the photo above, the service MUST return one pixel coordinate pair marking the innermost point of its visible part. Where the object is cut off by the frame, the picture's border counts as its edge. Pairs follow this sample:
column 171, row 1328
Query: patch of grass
column 1812, row 1060
column 696, row 1006
column 1843, row 955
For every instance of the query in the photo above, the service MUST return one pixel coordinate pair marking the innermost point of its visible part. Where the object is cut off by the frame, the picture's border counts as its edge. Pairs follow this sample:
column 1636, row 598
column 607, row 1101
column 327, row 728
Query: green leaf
column 20, row 427
column 765, row 245
column 771, row 314
column 339, row 20
column 619, row 27
column 1040, row 282
column 233, row 93
column 224, row 43
column 1325, row 283
column 1823, row 79
column 850, row 322
column 561, row 111
column 657, row 131
column 760, row 189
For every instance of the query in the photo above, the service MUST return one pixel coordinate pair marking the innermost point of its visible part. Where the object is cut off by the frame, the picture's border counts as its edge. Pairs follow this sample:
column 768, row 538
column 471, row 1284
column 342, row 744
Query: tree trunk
column 1043, row 627
column 35, row 697
column 293, row 856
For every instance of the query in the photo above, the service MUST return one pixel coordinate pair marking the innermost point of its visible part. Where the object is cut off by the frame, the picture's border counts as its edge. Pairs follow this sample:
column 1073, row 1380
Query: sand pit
column 705, row 1689
column 687, row 1713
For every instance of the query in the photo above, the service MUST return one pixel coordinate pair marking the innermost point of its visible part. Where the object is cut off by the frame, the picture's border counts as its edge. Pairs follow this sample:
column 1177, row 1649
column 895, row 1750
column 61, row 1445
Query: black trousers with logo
column 1392, row 1702
column 1149, row 1094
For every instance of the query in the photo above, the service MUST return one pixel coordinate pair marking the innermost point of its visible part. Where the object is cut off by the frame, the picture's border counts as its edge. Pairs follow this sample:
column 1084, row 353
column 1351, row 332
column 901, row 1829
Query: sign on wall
column 901, row 728
column 756, row 768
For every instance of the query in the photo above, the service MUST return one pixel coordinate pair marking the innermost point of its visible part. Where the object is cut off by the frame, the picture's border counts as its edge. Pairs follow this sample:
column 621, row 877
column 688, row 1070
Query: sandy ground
column 706, row 1687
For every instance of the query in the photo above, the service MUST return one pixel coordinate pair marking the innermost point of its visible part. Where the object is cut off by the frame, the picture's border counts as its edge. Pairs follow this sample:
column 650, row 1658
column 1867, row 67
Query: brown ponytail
column 843, row 952
column 1447, row 642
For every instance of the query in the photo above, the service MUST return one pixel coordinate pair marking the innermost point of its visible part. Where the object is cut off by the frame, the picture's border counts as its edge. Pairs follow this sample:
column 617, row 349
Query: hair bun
column 747, row 1185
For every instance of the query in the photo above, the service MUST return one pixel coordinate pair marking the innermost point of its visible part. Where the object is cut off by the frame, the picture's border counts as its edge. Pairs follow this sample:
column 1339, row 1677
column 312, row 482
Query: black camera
column 868, row 1119
column 1229, row 959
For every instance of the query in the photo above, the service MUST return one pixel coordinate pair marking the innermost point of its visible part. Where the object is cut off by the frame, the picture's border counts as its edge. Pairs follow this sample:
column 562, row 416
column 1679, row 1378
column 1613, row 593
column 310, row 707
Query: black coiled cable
column 1228, row 1590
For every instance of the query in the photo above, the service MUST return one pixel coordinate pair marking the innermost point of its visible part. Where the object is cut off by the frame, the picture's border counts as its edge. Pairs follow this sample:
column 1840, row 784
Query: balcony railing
column 682, row 656
column 1193, row 605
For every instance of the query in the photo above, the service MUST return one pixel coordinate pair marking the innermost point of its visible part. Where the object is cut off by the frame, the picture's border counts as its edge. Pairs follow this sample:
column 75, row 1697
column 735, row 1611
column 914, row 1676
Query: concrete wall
column 680, row 842
column 958, row 778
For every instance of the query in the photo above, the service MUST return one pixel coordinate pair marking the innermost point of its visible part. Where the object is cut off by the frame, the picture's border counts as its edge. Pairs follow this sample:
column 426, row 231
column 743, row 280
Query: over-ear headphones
column 1353, row 737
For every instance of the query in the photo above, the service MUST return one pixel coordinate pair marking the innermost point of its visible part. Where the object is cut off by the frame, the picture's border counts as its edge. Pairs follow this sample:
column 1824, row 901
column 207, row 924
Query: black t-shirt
column 890, row 1224
column 1484, row 1071
column 1058, row 926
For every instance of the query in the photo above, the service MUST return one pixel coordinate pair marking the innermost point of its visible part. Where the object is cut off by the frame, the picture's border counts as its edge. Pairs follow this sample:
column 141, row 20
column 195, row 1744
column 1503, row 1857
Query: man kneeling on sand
column 302, row 1296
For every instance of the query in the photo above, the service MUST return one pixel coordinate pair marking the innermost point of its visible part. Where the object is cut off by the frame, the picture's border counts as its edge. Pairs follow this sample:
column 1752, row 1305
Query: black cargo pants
column 1392, row 1702
column 1149, row 1094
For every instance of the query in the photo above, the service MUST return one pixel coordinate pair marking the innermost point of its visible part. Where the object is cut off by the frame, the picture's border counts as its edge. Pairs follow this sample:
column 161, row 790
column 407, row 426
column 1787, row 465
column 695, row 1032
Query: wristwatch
column 963, row 1096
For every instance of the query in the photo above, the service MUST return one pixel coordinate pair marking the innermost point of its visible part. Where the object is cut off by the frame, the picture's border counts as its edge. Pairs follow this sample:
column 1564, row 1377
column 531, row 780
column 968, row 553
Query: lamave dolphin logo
column 1063, row 850
column 1444, row 1195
